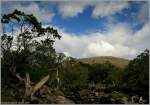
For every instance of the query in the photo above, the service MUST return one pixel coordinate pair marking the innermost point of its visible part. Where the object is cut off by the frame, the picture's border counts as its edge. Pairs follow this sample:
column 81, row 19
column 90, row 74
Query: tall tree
column 137, row 74
column 26, row 46
column 21, row 32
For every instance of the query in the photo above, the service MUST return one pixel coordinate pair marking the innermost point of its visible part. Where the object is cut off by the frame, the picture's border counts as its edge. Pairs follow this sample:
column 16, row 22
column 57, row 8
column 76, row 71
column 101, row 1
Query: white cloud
column 71, row 9
column 108, row 8
column 119, row 41
column 141, row 38
column 95, row 48
column 67, row 54
column 33, row 8
column 101, row 8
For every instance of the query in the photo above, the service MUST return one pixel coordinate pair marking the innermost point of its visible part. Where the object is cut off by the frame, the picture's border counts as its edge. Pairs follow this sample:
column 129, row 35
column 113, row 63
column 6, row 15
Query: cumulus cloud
column 95, row 48
column 120, row 41
column 33, row 8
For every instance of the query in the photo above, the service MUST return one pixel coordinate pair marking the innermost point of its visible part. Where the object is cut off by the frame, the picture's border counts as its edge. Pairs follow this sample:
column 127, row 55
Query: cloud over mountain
column 120, row 41
column 121, row 28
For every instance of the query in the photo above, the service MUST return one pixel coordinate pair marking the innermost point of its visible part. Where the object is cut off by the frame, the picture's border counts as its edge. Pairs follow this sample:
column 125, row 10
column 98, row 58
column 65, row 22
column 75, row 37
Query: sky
column 92, row 28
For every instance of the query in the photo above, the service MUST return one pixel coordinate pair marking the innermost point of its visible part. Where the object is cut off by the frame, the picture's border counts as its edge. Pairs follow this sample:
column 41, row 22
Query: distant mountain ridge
column 119, row 62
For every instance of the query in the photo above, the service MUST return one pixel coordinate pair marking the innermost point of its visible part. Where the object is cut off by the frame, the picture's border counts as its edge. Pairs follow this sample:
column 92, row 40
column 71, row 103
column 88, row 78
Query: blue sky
column 81, row 24
column 87, row 19
column 84, row 22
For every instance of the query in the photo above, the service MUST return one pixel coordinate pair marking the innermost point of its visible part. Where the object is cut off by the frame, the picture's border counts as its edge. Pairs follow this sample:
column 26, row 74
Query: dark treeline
column 33, row 72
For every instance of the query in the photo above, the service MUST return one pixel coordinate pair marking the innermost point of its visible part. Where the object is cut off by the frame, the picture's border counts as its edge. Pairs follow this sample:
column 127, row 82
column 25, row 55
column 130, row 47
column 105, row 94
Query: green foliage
column 136, row 74
column 23, row 53
column 98, row 73
column 74, row 76
column 104, row 73
column 115, row 77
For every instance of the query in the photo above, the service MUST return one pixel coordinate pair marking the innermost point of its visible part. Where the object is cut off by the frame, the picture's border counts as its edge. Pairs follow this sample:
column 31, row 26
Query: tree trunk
column 57, row 77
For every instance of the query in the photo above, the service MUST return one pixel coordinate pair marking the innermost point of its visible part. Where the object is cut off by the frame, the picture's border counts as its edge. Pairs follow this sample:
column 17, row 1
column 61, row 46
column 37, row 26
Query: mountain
column 119, row 62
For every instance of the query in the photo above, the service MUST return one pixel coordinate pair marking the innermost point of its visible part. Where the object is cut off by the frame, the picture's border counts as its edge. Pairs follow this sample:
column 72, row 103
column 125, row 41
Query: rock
column 116, row 92
column 92, row 94
column 45, row 91
column 113, row 100
column 58, row 93
column 92, row 100
column 84, row 93
column 141, row 101
column 124, row 100
column 42, row 91
column 51, row 99
column 96, row 94
column 134, row 99
column 101, row 93
column 63, row 100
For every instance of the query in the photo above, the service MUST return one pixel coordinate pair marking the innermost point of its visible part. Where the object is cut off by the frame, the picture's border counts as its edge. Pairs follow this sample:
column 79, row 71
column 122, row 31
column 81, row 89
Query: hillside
column 119, row 62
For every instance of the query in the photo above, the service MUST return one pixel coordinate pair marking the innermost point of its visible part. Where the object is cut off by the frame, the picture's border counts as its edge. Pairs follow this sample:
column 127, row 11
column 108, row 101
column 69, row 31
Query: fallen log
column 31, row 89
column 37, row 86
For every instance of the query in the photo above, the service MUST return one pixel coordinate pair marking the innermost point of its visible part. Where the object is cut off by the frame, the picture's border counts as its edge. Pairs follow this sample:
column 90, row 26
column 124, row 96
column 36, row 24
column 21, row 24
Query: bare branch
column 19, row 77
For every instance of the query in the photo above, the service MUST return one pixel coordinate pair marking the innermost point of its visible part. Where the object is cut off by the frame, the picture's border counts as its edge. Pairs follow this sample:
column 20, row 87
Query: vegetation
column 137, row 74
column 33, row 72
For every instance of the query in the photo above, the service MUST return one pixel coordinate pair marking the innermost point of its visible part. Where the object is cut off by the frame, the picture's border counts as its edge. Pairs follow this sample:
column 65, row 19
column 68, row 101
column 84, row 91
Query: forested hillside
column 33, row 72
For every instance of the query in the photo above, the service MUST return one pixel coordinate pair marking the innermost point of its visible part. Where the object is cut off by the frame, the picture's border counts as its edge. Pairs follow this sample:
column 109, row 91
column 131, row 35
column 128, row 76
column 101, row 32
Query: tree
column 59, row 63
column 27, row 47
column 74, row 76
column 137, row 74
column 98, row 73
column 27, row 27
column 20, row 34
